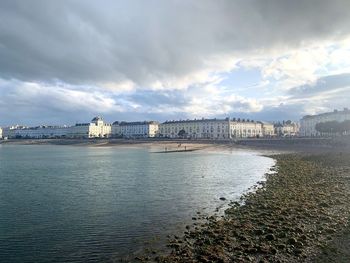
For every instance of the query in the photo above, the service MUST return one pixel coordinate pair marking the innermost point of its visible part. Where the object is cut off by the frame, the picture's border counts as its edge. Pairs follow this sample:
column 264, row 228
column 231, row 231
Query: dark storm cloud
column 145, row 41
column 323, row 85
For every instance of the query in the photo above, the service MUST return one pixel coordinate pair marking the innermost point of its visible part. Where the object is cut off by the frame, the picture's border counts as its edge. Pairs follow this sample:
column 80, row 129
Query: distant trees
column 333, row 127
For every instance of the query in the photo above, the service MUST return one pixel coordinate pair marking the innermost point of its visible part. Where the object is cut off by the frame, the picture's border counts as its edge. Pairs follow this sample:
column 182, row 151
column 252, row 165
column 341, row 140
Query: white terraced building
column 36, row 132
column 287, row 129
column 308, row 123
column 95, row 129
column 219, row 129
column 142, row 129
column 268, row 129
column 195, row 129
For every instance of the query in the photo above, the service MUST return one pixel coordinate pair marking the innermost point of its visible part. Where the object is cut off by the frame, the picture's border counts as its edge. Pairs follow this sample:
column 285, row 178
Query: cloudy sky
column 67, row 61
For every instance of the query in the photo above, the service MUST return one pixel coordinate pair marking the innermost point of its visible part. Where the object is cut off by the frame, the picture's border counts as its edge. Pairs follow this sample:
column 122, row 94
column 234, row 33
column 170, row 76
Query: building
column 195, row 129
column 241, row 128
column 268, row 129
column 215, row 129
column 286, row 129
column 308, row 123
column 116, row 131
column 39, row 132
column 0, row 133
column 97, row 128
column 141, row 129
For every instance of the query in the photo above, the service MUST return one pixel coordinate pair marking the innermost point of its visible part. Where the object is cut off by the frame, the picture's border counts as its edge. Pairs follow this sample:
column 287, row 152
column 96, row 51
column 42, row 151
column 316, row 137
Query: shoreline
column 299, row 215
column 301, row 145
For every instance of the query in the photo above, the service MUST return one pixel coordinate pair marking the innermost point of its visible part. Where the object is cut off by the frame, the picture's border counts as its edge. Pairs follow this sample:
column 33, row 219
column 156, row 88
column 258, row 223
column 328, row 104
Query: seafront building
column 308, row 123
column 95, row 129
column 195, row 129
column 286, row 129
column 35, row 132
column 214, row 129
column 0, row 133
column 144, row 129
column 268, row 129
column 218, row 129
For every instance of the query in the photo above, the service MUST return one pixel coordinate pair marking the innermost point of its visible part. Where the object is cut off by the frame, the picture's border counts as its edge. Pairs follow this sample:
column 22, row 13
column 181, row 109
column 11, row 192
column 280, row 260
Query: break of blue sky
column 158, row 60
column 243, row 81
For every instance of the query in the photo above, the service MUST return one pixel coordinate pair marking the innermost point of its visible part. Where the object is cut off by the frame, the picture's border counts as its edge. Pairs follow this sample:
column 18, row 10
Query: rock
column 251, row 250
column 258, row 232
column 299, row 230
column 299, row 244
column 292, row 241
column 324, row 204
column 270, row 237
column 281, row 246
column 222, row 198
column 297, row 251
column 273, row 251
column 282, row 235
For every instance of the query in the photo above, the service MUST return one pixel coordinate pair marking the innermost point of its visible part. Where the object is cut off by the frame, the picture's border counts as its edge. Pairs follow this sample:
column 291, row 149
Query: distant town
column 325, row 124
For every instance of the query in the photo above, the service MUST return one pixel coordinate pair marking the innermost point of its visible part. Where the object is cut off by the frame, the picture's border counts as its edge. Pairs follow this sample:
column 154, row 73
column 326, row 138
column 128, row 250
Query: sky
column 63, row 62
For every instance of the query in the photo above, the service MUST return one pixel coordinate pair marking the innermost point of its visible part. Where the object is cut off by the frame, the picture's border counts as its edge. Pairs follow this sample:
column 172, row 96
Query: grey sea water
column 91, row 204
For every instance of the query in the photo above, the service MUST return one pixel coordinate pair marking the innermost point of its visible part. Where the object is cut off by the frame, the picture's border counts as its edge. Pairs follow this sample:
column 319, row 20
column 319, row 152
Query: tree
column 182, row 133
column 333, row 127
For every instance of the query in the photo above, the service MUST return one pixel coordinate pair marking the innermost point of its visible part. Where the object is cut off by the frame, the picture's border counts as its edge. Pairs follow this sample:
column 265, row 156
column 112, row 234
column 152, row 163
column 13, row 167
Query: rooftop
column 209, row 120
column 97, row 118
column 344, row 111
column 124, row 123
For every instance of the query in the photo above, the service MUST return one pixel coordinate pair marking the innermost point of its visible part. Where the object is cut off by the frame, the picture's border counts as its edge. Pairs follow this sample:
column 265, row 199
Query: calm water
column 86, row 204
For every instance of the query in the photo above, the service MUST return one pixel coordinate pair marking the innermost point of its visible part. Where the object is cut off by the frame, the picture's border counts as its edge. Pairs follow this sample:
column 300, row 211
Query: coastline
column 299, row 215
column 302, row 145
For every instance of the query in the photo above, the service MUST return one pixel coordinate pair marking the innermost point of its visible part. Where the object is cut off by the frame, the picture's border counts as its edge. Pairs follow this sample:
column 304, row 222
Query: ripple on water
column 79, row 204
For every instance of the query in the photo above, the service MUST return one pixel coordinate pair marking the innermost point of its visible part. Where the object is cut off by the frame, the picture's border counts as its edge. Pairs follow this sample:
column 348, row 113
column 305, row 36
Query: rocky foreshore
column 297, row 216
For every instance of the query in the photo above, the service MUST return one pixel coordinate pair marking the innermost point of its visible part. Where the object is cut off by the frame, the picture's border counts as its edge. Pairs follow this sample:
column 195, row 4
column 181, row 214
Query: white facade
column 36, row 132
column 268, row 129
column 0, row 133
column 96, row 129
column 217, row 129
column 308, row 123
column 245, row 129
column 195, row 129
column 287, row 129
column 145, row 129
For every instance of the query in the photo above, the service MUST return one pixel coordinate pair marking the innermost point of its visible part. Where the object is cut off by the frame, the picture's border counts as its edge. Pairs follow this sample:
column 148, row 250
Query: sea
column 102, row 204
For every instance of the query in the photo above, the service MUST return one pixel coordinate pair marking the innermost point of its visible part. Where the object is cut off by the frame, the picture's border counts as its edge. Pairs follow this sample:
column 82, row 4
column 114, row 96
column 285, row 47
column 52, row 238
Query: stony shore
column 301, row 214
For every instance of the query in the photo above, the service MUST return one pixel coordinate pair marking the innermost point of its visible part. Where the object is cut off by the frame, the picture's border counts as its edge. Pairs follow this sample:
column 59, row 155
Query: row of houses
column 215, row 129
column 97, row 128
column 220, row 129
column 308, row 124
